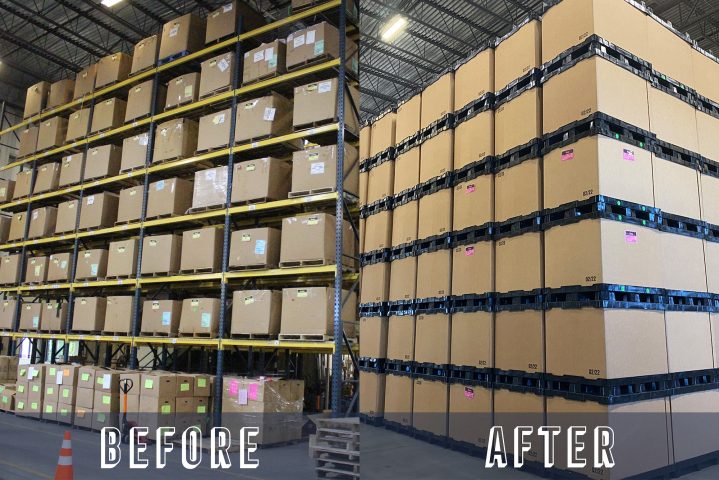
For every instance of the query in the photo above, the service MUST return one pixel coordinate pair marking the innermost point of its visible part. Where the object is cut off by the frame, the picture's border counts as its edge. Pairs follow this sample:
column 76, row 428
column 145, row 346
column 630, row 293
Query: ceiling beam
column 145, row 11
column 71, row 5
column 375, row 94
column 112, row 16
column 366, row 69
column 30, row 47
column 386, row 50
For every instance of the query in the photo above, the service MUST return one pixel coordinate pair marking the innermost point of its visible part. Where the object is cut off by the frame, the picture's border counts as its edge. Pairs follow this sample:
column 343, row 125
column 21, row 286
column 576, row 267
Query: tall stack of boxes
column 566, row 277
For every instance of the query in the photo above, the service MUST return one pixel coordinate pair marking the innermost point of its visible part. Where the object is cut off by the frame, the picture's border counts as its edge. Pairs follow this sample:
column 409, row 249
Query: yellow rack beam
column 205, row 277
column 47, row 286
column 315, row 347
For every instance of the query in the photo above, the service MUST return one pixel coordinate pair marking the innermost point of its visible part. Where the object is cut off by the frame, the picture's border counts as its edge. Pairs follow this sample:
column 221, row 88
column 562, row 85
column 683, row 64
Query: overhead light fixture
column 393, row 28
column 110, row 3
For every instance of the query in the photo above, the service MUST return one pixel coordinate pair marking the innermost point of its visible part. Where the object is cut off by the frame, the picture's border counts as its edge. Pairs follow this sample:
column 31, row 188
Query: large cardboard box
column 202, row 250
column 518, row 53
column 102, row 161
column 30, row 317
column 66, row 216
column 85, row 81
column 435, row 214
column 47, row 178
column 35, row 99
column 210, row 188
column 256, row 312
column 113, row 68
column 214, row 131
column 519, row 264
column 169, row 197
column 429, row 406
column 144, row 56
column 474, row 139
column 36, row 270
column 374, row 283
column 470, row 414
column 437, row 99
column 319, row 41
column 437, row 156
column 23, row 184
column 398, row 400
column 4, row 227
column 518, row 190
column 473, row 203
column 161, row 254
column 10, row 269
column 59, row 267
column 705, row 68
column 200, row 317
column 267, row 60
column 108, row 114
column 316, row 103
column 687, row 269
column 78, row 124
column 28, row 141
column 474, row 78
column 598, row 165
column 383, row 134
column 182, row 89
column 405, row 221
column 473, row 268
column 42, row 222
column 310, row 311
column 263, row 179
column 371, row 401
column 708, row 134
column 680, row 128
column 377, row 231
column 86, row 379
column 314, row 170
column 91, row 264
column 54, row 317
column 513, row 409
column 268, row 116
column 71, row 168
column 130, row 204
column 175, row 139
column 52, row 133
column 216, row 74
column 89, row 314
column 134, row 152
column 669, row 53
column 309, row 239
column 373, row 331
column 122, row 258
column 60, row 93
column 98, row 211
column 139, row 100
column 223, row 21
column 433, row 274
column 182, row 34
column 403, row 279
column 17, row 227
column 118, row 314
column 82, row 417
column 161, row 316
column 408, row 118
column 519, row 340
column 589, row 87
column 254, row 248
column 689, row 340
column 518, row 121
column 693, row 424
column 611, row 252
column 432, row 339
column 380, row 182
column 472, row 339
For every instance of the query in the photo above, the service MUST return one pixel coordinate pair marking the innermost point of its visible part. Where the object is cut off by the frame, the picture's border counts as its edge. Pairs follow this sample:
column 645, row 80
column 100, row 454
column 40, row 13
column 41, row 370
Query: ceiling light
column 110, row 3
column 393, row 28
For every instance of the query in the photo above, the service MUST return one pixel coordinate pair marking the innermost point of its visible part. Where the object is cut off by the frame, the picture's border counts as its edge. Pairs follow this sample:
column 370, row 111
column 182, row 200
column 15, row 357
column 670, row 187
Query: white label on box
column 58, row 378
column 30, row 373
column 269, row 53
column 166, row 317
column 258, row 56
column 299, row 41
column 317, row 168
column 63, row 264
column 91, row 199
column 38, row 269
column 218, row 119
column 223, row 65
column 174, row 30
column 163, row 132
column 311, row 37
column 250, row 167
column 188, row 91
column 153, row 243
column 34, row 215
column 260, row 247
column 210, row 174
column 195, row 235
column 242, row 396
column 324, row 87
column 269, row 114
column 133, row 193
column 87, row 254
column 302, row 293
column 94, row 152
column 227, row 8
column 35, row 321
column 205, row 320
column 319, row 48
column 246, row 237
column 272, row 62
column 160, row 185
column 142, row 140
column 250, row 105
column 93, row 269
column 107, row 381
column 155, row 305
column 249, row 300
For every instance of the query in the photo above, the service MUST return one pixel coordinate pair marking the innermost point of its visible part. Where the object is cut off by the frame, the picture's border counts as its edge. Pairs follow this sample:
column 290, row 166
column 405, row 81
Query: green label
column 185, row 387
column 85, row 377
column 50, row 391
column 106, row 399
column 53, row 371
column 4, row 399
column 166, row 409
column 65, row 393
column 201, row 382
column 35, row 388
column 205, row 320
column 21, row 388
column 21, row 405
column 202, row 409
column 149, row 383
column 101, row 417
column 48, row 408
column 33, row 405
column 319, row 47
column 99, row 380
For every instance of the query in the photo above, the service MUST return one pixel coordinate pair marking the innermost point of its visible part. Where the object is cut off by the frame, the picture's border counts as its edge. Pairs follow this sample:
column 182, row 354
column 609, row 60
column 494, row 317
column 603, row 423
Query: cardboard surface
column 309, row 311
column 85, row 81
column 380, row 182
column 437, row 156
column 687, row 269
column 310, row 240
column 474, row 79
column 267, row 60
column 91, row 264
column 433, row 274
column 519, row 263
column 268, row 116
column 36, row 99
column 437, row 100
column 98, row 211
column 71, row 169
column 474, row 139
column 518, row 190
column 122, row 258
column 435, row 214
column 256, row 312
column 668, row 53
column 405, row 221
column 406, row 170
column 518, row 121
column 78, row 124
column 689, row 345
column 52, row 133
column 59, row 267
column 673, row 120
column 182, row 34
column 169, row 197
column 316, row 103
column 472, row 339
column 144, row 54
column 254, row 248
column 371, row 401
column 202, row 249
column 134, row 152
column 108, row 114
column 60, row 93
column 378, row 231
column 183, row 89
column 10, row 270
column 161, row 316
column 47, row 177
column 473, row 269
column 42, row 222
column 374, row 284
column 473, row 203
column 113, row 68
column 470, row 414
column 162, row 254
column 175, row 139
column 373, row 331
column 200, row 317
column 408, row 118
column 403, row 283
column 103, row 161
column 265, row 178
column 398, row 399
column 432, row 339
column 314, row 170
column 118, row 314
column 28, row 141
column 429, row 406
column 216, row 74
column 519, row 341
column 139, row 100
column 89, row 314
column 66, row 217
column 36, row 270
column 518, row 54
column 383, row 134
column 130, row 204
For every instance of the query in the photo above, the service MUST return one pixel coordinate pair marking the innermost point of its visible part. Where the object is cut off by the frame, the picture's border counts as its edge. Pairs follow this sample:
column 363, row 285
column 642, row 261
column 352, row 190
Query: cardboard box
column 707, row 131
column 182, row 89
column 380, row 182
column 256, row 312
column 473, row 268
column 314, row 170
column 98, row 211
column 398, row 400
column 254, row 248
column 515, row 408
column 108, row 114
column 46, row 178
column 429, row 409
column 711, row 254
column 82, row 417
column 36, row 99
column 182, row 34
column 408, row 118
column 78, row 124
column 85, row 81
column 28, row 141
column 403, row 279
column 598, row 165
column 4, row 227
column 113, row 68
column 169, row 197
column 518, row 121
column 71, row 168
column 214, row 131
column 52, row 133
column 134, row 152
column 30, row 317
column 7, row 313
column 634, row 251
column 36, row 270
column 472, row 339
column 383, row 133
column 185, row 383
column 518, row 53
column 42, row 222
column 66, row 216
column 161, row 254
column 23, row 184
column 371, row 401
column 223, row 21
column 473, row 203
column 433, row 274
column 264, row 179
column 705, row 68
column 210, row 188
column 91, row 264
column 86, row 379
column 693, row 424
column 175, row 139
column 10, row 269
column 474, row 139
column 161, row 316
column 102, row 162
column 102, row 420
column 590, row 87
column 374, row 283
column 686, row 271
column 519, row 264
column 49, row 410
column 105, row 401
column 519, row 341
column 435, row 214
column 267, row 60
column 268, row 116
column 437, row 156
column 216, row 74
column 373, row 331
column 107, row 381
column 474, row 78
column 437, row 99
column 200, row 316
column 118, row 314
column 310, row 311
column 89, row 314
column 122, row 259
column 157, row 384
column 144, row 56
column 316, row 103
column 518, row 190
column 60, row 93
column 54, row 317
column 405, row 221
column 669, row 53
column 432, row 338
column 310, row 240
column 65, row 413
column 139, row 100
column 680, row 128
column 689, row 341
column 319, row 41
column 202, row 250
column 130, row 204
column 17, row 226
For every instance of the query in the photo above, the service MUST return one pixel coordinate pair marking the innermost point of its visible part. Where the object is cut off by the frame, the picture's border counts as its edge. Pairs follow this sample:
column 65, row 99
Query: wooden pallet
column 218, row 91
column 197, row 271
column 252, row 201
column 197, row 335
column 254, row 336
column 336, row 448
column 307, row 263
column 306, row 337
column 307, row 193
column 209, row 208
column 259, row 266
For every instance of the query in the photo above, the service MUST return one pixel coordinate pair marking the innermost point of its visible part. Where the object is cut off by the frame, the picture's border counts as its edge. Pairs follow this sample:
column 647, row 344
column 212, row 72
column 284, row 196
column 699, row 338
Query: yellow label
column 155, row 305
column 302, row 293
column 250, row 167
column 149, row 383
column 50, row 391
column 201, row 382
column 35, row 388
column 106, row 399
column 246, row 237
column 165, row 409
column 48, row 408
column 85, row 377
column 249, row 300
column 185, row 387
column 201, row 409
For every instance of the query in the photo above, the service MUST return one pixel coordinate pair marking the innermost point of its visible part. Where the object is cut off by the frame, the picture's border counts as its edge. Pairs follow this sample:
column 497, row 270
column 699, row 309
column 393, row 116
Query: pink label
column 628, row 155
column 630, row 237
column 468, row 393
column 234, row 387
column 469, row 251
column 471, row 188
column 252, row 391
column 567, row 155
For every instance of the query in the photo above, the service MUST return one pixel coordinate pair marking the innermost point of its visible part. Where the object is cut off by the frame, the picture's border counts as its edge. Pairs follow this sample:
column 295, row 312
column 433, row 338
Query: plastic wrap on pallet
column 210, row 188
column 273, row 405
column 605, row 296
column 604, row 207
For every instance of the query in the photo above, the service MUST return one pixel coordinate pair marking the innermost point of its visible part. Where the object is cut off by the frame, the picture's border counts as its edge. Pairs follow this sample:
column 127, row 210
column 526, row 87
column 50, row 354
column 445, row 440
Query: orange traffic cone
column 64, row 463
